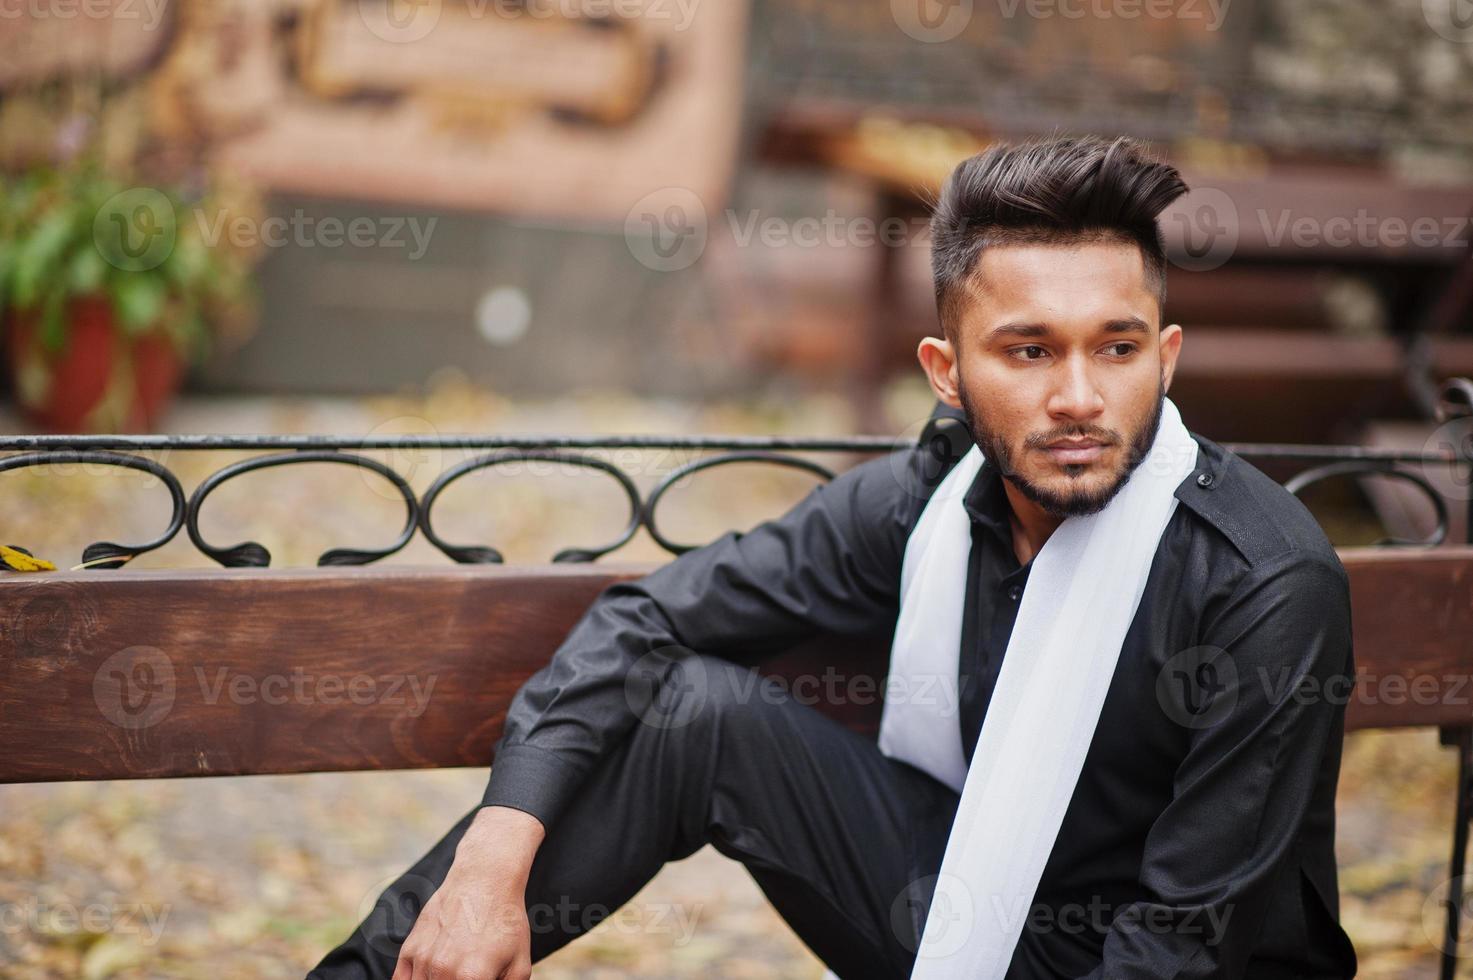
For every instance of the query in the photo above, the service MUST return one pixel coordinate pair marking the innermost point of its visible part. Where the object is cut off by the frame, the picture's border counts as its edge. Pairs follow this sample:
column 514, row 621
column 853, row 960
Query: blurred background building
column 379, row 216
column 692, row 198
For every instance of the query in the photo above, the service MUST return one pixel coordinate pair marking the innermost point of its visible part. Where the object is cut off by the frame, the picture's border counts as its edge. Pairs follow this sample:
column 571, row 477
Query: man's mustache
column 1043, row 440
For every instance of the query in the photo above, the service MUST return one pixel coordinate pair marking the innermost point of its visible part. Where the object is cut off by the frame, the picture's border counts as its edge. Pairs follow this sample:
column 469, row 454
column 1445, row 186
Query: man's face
column 1062, row 369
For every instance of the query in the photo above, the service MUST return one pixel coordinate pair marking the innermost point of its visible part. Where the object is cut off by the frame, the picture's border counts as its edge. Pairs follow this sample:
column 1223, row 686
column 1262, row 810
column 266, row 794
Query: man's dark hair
column 1067, row 190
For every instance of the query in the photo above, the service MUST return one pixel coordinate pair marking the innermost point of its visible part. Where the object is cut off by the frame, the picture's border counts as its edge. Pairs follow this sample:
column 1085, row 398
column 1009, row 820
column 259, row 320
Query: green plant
column 73, row 231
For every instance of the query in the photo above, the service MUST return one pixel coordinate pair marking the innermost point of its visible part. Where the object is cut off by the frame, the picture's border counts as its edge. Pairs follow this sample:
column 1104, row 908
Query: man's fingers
column 449, row 965
column 413, row 954
column 404, row 968
column 520, row 969
column 408, row 953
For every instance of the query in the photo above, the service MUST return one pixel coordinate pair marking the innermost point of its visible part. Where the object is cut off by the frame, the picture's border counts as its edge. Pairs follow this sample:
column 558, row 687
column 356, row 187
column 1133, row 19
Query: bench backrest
column 219, row 672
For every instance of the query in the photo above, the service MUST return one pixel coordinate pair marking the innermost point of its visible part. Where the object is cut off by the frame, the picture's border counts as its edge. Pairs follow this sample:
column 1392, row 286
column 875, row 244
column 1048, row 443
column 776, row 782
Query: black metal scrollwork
column 1371, row 468
column 106, row 554
column 943, row 437
column 254, row 554
column 474, row 554
column 704, row 464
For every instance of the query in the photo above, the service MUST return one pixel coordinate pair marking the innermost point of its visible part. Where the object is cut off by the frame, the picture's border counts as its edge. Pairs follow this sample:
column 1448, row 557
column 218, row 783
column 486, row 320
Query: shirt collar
column 986, row 500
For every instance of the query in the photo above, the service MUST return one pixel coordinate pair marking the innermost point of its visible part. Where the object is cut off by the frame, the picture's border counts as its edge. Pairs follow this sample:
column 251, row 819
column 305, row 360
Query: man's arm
column 830, row 564
column 1241, row 793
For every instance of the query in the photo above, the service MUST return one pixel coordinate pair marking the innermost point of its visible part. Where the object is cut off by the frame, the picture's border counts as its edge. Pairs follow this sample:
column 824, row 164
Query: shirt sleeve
column 1241, row 792
column 831, row 564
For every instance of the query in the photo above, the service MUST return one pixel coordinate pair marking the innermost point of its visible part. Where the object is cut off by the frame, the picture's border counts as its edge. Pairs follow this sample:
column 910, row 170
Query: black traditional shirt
column 1199, row 841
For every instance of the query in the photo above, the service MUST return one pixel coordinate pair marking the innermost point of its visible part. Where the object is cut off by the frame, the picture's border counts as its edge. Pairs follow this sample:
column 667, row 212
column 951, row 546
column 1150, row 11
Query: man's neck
column 1031, row 524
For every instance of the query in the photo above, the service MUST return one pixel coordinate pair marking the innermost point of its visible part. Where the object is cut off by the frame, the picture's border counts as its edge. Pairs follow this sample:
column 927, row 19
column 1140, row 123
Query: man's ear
column 938, row 358
column 1170, row 349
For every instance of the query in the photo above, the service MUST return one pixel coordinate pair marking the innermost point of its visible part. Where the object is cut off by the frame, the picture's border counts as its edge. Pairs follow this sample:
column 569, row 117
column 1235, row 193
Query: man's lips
column 1076, row 450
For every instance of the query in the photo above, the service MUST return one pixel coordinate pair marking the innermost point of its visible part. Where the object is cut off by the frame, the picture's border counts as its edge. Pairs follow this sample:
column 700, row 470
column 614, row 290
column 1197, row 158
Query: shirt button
column 1015, row 592
column 1205, row 480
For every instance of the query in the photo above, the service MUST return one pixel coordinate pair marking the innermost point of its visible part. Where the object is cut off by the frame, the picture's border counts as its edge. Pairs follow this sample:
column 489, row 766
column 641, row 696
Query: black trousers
column 842, row 840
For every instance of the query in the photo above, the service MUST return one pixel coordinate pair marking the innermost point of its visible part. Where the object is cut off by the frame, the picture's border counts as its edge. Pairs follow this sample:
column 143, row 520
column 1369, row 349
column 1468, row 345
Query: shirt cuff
column 533, row 780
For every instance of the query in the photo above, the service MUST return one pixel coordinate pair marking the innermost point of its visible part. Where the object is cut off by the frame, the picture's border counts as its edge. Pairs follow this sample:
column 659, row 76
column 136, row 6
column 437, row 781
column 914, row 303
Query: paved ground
column 257, row 876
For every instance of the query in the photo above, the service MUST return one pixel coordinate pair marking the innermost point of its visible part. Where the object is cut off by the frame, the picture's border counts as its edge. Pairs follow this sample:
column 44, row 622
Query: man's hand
column 475, row 925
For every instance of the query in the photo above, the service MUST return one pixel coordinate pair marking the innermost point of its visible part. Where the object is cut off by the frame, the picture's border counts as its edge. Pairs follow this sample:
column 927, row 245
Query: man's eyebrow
column 1129, row 324
column 1018, row 330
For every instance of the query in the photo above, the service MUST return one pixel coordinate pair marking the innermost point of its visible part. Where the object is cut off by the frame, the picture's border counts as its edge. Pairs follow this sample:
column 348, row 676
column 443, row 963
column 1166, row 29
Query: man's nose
column 1077, row 395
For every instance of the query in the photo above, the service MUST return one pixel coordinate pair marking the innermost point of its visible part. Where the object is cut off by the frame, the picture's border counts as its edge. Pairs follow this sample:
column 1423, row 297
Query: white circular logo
column 662, row 694
column 134, row 688
column 950, row 918
column 1198, row 687
column 410, row 462
column 932, row 21
column 399, row 21
column 1201, row 229
column 929, row 457
column 666, row 230
column 388, row 918
column 1453, row 480
column 1435, row 914
column 135, row 230
column 1451, row 19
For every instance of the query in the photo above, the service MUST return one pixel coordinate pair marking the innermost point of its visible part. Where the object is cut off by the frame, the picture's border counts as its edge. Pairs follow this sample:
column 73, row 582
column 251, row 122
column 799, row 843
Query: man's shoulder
column 1262, row 521
column 892, row 489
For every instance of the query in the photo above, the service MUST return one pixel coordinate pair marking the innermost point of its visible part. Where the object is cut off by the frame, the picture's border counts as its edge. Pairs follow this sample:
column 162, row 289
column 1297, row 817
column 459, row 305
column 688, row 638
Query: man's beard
column 1064, row 505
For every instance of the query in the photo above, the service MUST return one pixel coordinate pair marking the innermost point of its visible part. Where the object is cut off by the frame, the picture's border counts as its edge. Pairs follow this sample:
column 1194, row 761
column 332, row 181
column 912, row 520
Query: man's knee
column 701, row 692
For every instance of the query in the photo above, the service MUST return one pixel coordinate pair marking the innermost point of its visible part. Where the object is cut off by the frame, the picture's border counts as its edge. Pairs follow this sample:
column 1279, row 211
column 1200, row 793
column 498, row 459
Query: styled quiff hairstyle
column 1068, row 190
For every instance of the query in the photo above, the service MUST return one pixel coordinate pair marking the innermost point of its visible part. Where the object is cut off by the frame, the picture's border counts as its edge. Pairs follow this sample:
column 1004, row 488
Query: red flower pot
column 100, row 380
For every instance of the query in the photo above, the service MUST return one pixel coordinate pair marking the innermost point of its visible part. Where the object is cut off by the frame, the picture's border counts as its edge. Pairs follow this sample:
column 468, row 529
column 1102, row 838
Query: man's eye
column 1122, row 349
column 1030, row 347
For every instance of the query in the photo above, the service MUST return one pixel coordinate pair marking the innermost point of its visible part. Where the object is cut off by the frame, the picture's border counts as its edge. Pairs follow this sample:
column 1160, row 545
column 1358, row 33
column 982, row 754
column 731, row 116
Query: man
column 1198, row 838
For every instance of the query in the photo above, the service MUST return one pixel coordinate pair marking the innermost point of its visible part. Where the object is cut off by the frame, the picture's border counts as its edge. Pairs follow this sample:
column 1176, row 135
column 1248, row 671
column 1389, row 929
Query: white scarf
column 1081, row 596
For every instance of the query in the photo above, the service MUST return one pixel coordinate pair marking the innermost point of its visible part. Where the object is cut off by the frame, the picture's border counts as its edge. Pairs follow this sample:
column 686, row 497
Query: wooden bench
column 236, row 671
column 108, row 674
